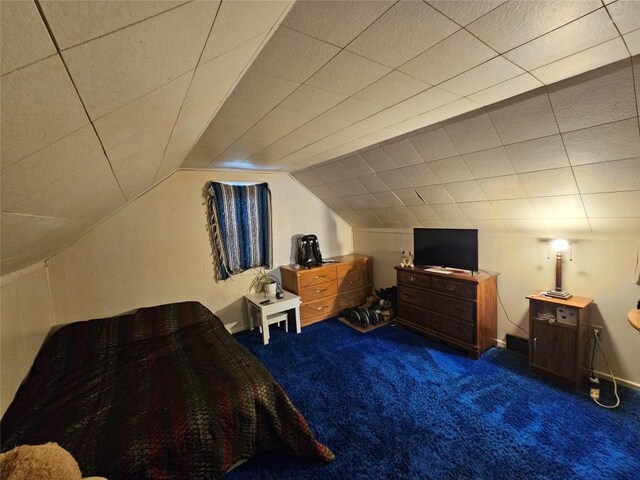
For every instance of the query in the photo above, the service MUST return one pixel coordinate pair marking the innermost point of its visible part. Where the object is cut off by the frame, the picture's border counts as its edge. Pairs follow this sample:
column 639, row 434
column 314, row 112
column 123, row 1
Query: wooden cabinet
column 330, row 288
column 559, row 337
column 458, row 309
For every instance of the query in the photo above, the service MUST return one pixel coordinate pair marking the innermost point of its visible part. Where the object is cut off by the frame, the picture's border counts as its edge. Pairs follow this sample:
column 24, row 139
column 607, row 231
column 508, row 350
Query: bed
column 164, row 393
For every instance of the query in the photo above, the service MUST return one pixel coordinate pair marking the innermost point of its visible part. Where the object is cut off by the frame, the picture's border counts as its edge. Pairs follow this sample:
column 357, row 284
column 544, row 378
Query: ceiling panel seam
column 175, row 122
column 64, row 63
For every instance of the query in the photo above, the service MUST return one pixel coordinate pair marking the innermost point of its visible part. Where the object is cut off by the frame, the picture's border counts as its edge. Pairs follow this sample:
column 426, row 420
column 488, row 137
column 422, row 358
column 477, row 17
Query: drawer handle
column 412, row 278
column 321, row 290
column 452, row 288
column 535, row 343
column 319, row 308
column 461, row 309
column 407, row 294
column 318, row 276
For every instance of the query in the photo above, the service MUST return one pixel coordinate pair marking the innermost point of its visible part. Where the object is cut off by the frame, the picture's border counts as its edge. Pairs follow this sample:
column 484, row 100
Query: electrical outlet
column 595, row 393
column 597, row 329
column 595, row 388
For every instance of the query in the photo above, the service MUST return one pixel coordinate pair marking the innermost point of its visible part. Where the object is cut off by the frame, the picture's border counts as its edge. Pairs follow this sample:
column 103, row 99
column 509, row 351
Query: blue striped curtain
column 240, row 227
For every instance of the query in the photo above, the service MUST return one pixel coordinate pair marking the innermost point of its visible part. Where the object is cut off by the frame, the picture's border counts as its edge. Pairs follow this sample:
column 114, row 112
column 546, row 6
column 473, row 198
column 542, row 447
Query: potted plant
column 265, row 283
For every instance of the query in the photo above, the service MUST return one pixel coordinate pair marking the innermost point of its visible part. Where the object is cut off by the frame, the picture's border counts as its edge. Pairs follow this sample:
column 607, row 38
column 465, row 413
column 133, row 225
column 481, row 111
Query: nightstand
column 284, row 309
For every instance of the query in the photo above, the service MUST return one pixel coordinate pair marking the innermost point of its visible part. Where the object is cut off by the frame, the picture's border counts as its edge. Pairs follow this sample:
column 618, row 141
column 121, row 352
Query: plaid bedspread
column 166, row 393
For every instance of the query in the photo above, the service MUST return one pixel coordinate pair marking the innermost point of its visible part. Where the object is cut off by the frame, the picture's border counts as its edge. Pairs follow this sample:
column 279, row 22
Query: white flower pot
column 270, row 289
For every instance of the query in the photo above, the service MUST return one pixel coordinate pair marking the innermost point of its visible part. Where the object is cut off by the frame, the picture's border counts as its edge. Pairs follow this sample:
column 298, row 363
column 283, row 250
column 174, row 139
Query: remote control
column 266, row 302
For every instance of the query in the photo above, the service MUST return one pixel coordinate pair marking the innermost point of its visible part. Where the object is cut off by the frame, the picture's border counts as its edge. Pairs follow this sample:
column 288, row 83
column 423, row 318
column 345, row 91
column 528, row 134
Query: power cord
column 595, row 388
column 495, row 280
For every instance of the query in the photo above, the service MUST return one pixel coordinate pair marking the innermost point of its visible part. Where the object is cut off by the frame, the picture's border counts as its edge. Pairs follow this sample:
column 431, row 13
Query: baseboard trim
column 599, row 374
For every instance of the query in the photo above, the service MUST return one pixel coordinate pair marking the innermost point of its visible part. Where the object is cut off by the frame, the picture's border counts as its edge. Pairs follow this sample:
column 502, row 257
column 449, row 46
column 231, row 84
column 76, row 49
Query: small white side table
column 271, row 313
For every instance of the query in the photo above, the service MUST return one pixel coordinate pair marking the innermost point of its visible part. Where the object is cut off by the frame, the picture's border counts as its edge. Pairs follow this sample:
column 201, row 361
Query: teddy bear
column 40, row 462
column 407, row 259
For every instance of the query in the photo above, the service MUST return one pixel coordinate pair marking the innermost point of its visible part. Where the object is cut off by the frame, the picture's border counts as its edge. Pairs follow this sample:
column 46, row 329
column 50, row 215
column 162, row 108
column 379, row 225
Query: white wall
column 156, row 249
column 602, row 269
column 26, row 319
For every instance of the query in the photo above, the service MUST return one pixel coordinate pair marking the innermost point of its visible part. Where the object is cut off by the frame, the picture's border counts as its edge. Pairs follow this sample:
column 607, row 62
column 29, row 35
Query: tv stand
column 458, row 309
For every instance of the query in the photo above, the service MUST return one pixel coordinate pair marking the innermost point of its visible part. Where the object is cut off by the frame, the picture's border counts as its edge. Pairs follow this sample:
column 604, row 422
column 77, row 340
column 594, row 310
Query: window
column 240, row 227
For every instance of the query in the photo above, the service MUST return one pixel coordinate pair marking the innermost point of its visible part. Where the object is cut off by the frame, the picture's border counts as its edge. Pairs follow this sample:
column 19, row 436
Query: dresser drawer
column 352, row 279
column 352, row 299
column 316, row 276
column 454, row 287
column 455, row 329
column 414, row 279
column 454, row 307
column 324, row 308
column 318, row 291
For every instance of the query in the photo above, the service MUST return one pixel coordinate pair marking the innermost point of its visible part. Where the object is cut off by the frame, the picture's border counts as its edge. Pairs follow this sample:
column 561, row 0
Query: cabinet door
column 553, row 348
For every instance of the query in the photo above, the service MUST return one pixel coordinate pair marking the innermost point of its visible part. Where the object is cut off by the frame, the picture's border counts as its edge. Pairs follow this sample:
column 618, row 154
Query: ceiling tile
column 409, row 197
column 388, row 199
column 23, row 235
column 403, row 153
column 615, row 225
column 354, row 186
column 239, row 22
column 422, row 212
column 625, row 14
column 113, row 70
column 432, row 223
column 369, row 201
column 579, row 35
column 378, row 160
column 581, row 62
column 307, row 178
column 464, row 12
column 434, row 194
column 515, row 23
column 373, row 183
column 452, row 169
column 448, row 211
column 342, row 115
column 394, row 179
column 23, row 37
column 435, row 66
column 539, row 154
column 507, row 89
column 614, row 176
column 467, row 191
column 483, row 76
column 323, row 192
column 405, row 30
column 51, row 164
column 489, row 163
column 488, row 225
column 334, row 22
column 293, row 56
column 347, row 73
column 311, row 100
column 434, row 145
column 452, row 109
column 391, row 89
column 161, row 104
column 77, row 22
column 568, row 206
column 545, row 183
column 357, row 166
column 503, row 188
column 472, row 132
column 425, row 101
column 277, row 123
column 340, row 189
column 594, row 98
column 39, row 106
column 550, row 225
column 478, row 210
column 419, row 175
column 612, row 141
column 524, row 117
column 339, row 171
column 336, row 204
column 516, row 208
column 614, row 205
column 632, row 39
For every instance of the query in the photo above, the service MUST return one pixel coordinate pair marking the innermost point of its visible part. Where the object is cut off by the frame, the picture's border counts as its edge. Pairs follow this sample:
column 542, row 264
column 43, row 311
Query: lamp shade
column 559, row 245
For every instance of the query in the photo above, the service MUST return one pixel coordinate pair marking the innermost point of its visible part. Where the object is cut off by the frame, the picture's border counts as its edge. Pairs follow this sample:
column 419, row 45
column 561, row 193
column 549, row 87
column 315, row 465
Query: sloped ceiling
column 100, row 100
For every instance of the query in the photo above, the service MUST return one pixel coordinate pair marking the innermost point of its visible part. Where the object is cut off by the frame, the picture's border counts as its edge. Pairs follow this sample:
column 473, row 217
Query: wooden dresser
column 457, row 308
column 330, row 288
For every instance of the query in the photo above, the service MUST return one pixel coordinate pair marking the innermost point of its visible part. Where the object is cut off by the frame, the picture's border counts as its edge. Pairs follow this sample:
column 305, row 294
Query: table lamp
column 560, row 245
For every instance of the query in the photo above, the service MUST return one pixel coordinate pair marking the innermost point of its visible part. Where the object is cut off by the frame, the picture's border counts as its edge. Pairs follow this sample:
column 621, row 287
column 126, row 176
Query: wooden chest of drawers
column 458, row 309
column 324, row 291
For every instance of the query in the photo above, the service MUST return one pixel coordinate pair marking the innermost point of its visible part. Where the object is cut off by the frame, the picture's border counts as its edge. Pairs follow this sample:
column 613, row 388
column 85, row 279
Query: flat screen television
column 446, row 247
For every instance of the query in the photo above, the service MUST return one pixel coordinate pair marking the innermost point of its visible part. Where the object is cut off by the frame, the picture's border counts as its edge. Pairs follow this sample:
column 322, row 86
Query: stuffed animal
column 40, row 462
column 407, row 259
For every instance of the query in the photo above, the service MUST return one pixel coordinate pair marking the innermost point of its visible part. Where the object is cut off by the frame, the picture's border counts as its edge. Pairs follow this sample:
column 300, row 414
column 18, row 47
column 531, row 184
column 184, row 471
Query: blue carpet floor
column 394, row 405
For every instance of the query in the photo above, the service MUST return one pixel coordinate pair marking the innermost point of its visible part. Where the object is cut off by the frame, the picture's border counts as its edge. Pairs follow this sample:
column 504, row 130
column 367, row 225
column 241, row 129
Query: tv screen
column 446, row 247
